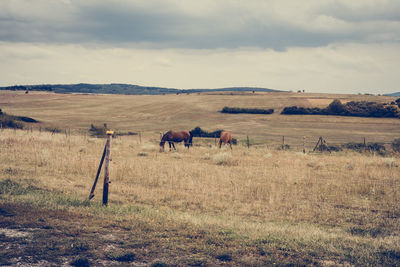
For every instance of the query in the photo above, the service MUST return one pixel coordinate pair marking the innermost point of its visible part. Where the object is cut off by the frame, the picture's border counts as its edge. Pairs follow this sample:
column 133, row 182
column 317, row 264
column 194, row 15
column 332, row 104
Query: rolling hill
column 126, row 89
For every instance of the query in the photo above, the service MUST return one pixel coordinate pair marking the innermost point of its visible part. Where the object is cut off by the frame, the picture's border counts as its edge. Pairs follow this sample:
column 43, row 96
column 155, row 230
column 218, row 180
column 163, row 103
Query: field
column 258, row 206
column 154, row 114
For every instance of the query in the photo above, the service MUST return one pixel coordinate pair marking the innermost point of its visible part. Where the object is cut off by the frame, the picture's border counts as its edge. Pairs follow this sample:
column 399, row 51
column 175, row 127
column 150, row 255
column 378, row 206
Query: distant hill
column 128, row 89
column 393, row 94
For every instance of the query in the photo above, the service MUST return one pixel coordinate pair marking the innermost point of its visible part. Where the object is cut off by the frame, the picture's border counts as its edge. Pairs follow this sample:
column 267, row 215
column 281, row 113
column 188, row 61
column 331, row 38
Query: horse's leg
column 230, row 144
column 173, row 145
column 169, row 143
column 187, row 144
column 220, row 143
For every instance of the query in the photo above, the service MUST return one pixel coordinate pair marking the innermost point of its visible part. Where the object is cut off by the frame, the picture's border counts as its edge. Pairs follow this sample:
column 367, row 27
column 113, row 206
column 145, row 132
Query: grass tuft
column 80, row 262
column 122, row 257
column 224, row 158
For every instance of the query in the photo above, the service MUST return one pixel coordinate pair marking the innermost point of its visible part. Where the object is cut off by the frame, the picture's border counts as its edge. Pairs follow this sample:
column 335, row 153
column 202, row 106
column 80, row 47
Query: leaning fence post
column 106, row 167
column 91, row 195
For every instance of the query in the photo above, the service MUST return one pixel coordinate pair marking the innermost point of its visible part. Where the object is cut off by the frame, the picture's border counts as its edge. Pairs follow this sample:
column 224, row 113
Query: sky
column 330, row 46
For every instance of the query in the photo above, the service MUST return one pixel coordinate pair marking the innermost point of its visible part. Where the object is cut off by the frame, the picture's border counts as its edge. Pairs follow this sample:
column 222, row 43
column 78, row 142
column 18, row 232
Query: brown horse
column 225, row 138
column 172, row 137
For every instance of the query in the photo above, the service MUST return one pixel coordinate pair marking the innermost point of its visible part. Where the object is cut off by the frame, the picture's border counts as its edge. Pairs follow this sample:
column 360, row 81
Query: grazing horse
column 172, row 137
column 225, row 138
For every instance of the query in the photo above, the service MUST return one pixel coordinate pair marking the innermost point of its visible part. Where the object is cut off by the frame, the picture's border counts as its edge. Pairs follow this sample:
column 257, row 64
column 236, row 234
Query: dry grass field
column 154, row 114
column 202, row 207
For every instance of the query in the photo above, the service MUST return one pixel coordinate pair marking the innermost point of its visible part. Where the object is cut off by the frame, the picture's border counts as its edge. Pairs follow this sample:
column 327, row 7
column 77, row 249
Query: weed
column 224, row 256
column 224, row 158
column 80, row 262
column 159, row 264
column 122, row 257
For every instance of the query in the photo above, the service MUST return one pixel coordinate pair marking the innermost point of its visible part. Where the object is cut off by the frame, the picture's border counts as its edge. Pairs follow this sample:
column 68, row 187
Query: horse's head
column 162, row 143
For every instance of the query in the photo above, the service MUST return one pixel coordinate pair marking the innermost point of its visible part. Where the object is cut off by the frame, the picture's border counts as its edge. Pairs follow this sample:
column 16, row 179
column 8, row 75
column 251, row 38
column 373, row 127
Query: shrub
column 123, row 257
column 53, row 129
column 98, row 131
column 80, row 262
column 398, row 102
column 198, row 132
column 336, row 107
column 223, row 159
column 370, row 147
column 11, row 121
column 224, row 256
column 246, row 110
column 358, row 109
column 283, row 147
column 396, row 144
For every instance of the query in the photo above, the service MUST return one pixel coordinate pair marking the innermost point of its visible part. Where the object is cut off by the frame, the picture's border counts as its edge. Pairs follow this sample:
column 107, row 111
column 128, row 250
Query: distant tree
column 398, row 102
column 336, row 107
column 247, row 110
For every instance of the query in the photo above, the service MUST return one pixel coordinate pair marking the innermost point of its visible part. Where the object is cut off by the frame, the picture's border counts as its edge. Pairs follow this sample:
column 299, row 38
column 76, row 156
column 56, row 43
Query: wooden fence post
column 304, row 145
column 283, row 142
column 248, row 142
column 91, row 195
column 106, row 167
column 319, row 140
column 140, row 137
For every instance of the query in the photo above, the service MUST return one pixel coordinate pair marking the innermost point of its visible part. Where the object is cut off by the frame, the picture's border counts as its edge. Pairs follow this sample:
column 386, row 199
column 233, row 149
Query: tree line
column 336, row 108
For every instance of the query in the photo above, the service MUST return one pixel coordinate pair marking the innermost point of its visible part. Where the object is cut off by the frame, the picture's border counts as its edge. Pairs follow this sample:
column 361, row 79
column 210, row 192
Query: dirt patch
column 39, row 237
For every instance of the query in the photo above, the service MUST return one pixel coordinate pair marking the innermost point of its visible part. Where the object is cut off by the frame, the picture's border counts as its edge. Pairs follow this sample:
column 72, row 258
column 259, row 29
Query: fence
column 270, row 141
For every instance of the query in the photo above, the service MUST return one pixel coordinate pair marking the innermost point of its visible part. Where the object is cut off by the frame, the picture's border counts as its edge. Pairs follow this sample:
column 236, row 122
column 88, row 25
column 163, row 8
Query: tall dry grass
column 326, row 202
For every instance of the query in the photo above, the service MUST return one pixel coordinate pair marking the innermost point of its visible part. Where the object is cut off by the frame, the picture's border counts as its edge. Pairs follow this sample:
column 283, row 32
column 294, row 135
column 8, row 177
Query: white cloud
column 348, row 68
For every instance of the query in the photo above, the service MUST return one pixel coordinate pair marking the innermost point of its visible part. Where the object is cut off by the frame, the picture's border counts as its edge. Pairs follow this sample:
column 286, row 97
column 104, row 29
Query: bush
column 11, row 121
column 336, row 107
column 80, row 262
column 98, row 131
column 224, row 158
column 396, row 144
column 370, row 147
column 198, row 132
column 53, row 129
column 247, row 110
column 358, row 109
column 122, row 257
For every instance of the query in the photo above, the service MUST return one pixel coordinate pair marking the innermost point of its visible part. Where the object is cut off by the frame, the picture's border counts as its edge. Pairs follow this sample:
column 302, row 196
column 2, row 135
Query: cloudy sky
column 320, row 46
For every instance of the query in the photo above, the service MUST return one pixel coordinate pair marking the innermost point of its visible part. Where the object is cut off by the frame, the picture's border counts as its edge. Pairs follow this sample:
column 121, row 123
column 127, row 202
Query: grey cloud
column 167, row 25
column 375, row 11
